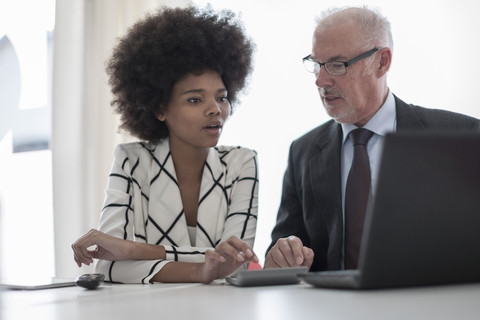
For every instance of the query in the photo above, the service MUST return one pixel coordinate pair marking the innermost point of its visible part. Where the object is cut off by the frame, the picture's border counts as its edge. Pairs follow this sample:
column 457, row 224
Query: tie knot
column 360, row 136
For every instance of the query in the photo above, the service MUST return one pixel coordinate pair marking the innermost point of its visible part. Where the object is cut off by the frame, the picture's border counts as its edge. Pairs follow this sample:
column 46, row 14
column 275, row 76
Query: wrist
column 200, row 273
column 145, row 251
column 180, row 272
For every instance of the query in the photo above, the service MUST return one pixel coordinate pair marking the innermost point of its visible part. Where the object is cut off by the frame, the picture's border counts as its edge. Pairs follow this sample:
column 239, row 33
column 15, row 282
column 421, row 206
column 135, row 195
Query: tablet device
column 36, row 284
column 266, row 277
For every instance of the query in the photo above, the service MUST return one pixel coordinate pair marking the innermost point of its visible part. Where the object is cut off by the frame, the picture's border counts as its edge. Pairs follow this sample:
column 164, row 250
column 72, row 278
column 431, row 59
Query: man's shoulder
column 326, row 136
column 410, row 115
column 327, row 129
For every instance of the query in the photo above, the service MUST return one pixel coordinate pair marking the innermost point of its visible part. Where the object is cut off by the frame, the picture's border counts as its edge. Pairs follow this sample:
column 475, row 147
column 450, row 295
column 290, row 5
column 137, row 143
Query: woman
column 178, row 208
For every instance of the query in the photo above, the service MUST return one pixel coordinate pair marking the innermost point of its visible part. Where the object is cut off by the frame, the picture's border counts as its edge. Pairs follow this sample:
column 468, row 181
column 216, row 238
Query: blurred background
column 58, row 131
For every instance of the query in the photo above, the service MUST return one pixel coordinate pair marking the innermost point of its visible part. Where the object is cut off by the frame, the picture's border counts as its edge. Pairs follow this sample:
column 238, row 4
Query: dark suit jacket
column 311, row 205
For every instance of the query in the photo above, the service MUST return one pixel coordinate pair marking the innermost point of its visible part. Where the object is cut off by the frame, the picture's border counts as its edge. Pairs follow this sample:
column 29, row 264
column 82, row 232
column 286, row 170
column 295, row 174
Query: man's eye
column 336, row 66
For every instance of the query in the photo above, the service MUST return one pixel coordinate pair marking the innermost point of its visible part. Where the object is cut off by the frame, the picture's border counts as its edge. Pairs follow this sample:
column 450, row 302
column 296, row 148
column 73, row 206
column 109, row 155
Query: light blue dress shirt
column 383, row 122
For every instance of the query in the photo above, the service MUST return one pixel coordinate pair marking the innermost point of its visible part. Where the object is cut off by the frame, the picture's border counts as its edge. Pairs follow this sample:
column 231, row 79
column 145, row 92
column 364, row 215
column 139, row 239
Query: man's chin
column 343, row 118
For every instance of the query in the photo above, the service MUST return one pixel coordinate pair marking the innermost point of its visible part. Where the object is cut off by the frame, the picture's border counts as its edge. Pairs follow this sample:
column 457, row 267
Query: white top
column 192, row 233
column 143, row 204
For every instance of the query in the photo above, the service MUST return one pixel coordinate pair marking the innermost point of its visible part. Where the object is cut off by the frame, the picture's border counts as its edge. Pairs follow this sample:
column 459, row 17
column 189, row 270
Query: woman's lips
column 213, row 128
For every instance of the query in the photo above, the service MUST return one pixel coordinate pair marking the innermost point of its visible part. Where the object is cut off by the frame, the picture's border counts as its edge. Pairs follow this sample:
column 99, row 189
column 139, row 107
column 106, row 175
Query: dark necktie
column 356, row 196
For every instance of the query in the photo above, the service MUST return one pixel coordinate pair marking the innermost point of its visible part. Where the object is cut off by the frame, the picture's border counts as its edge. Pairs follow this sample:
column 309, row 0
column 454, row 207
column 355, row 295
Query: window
column 26, row 225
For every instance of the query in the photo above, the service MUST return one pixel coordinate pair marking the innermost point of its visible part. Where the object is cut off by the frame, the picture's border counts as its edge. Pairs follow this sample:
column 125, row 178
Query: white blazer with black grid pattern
column 143, row 204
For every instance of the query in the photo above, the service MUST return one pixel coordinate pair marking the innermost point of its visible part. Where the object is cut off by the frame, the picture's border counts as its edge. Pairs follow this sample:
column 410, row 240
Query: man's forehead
column 334, row 43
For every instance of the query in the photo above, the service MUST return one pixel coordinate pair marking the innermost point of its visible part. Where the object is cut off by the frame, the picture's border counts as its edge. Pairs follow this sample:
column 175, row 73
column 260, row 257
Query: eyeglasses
column 335, row 68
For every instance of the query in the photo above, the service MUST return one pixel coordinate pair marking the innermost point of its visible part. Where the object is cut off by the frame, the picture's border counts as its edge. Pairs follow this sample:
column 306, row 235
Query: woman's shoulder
column 234, row 156
column 133, row 147
column 235, row 159
column 235, row 151
column 139, row 150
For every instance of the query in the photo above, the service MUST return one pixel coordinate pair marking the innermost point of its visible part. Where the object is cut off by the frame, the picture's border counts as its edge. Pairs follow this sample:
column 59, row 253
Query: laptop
column 423, row 225
column 36, row 283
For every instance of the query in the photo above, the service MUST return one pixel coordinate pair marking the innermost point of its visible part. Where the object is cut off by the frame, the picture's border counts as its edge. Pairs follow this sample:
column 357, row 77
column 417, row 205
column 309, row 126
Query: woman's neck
column 188, row 161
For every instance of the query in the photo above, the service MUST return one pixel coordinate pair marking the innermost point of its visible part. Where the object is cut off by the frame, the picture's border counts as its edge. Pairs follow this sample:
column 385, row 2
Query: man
column 351, row 55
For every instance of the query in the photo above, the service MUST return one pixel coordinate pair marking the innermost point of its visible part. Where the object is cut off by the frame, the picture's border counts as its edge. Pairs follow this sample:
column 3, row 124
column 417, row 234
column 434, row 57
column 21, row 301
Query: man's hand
column 289, row 252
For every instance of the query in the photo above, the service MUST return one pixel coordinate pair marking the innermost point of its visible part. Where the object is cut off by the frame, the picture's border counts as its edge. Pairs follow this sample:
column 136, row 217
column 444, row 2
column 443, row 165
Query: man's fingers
column 276, row 257
column 292, row 250
column 288, row 258
column 296, row 246
column 289, row 252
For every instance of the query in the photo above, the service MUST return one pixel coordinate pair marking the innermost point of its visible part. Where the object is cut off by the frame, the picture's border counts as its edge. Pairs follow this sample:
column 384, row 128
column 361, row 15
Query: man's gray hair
column 377, row 28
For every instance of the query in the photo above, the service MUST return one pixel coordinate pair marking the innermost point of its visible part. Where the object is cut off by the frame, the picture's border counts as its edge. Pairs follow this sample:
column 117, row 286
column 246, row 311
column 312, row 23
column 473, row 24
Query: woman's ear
column 161, row 114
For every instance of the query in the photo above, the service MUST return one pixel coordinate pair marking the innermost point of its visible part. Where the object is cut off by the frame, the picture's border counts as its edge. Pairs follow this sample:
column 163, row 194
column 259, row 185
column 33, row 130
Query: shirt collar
column 383, row 121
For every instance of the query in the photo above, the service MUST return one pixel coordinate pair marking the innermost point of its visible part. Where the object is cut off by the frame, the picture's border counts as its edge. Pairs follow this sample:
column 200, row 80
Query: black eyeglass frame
column 345, row 63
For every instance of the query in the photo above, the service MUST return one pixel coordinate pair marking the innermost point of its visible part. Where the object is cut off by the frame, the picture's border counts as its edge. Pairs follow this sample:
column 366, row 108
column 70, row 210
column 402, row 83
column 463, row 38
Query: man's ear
column 385, row 61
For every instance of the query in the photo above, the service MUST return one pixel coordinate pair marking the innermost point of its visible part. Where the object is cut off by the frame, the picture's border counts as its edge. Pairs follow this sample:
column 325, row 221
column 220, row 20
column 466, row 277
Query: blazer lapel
column 166, row 219
column 325, row 179
column 212, row 201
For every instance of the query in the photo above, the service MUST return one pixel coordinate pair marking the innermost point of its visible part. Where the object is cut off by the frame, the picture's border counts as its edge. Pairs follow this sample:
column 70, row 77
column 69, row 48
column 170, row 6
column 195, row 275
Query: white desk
column 222, row 301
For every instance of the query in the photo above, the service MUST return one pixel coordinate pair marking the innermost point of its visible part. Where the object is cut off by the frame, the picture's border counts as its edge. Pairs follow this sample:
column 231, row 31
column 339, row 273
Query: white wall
column 84, row 132
column 435, row 64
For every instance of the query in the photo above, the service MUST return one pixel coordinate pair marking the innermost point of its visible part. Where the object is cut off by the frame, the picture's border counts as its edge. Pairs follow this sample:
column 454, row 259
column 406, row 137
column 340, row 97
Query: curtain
column 84, row 127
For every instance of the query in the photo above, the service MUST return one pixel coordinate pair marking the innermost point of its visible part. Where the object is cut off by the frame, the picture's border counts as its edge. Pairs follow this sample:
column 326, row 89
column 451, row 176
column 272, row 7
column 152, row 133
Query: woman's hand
column 106, row 247
column 227, row 257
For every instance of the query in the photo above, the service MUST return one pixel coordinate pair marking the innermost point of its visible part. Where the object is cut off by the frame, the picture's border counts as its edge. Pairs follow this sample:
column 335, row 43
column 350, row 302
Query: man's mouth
column 330, row 96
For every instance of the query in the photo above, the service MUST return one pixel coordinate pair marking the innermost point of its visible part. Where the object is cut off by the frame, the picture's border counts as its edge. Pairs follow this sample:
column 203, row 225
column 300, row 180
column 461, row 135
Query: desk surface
column 222, row 301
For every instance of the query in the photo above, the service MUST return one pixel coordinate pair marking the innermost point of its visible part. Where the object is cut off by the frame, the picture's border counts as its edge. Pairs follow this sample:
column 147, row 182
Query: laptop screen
column 422, row 227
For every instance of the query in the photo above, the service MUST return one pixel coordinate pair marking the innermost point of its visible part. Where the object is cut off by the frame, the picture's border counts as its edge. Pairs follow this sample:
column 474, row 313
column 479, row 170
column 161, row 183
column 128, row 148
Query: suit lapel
column 325, row 177
column 326, row 186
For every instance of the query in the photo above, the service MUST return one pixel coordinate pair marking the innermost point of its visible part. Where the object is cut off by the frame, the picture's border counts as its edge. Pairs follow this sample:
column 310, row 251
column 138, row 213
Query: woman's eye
column 223, row 99
column 194, row 100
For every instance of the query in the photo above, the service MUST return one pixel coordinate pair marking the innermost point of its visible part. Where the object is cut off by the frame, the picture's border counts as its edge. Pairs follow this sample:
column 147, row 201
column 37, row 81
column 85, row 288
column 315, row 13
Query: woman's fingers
column 82, row 253
column 215, row 256
column 236, row 249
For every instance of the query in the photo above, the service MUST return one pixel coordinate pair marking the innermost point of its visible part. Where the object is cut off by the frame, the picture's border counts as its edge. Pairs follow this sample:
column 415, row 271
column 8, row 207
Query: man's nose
column 323, row 78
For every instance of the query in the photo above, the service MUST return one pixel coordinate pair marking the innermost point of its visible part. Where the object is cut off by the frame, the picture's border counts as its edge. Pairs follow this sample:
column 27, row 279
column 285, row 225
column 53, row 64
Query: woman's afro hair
column 163, row 47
